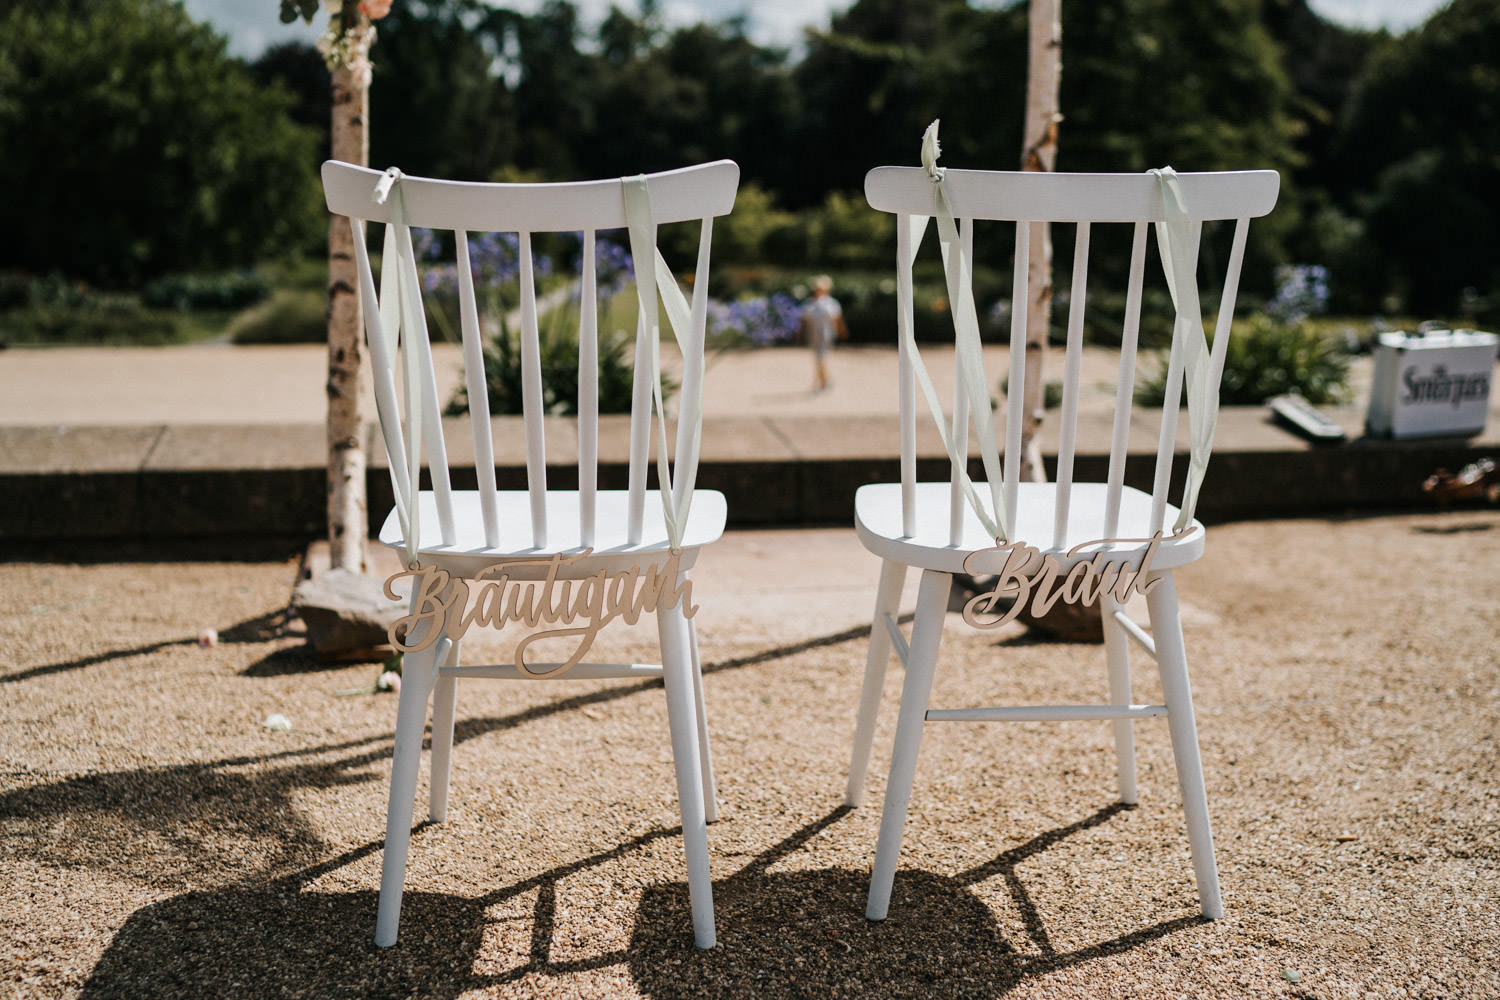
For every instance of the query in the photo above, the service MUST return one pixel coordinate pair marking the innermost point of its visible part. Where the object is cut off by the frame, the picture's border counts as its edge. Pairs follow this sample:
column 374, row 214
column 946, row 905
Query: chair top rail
column 1034, row 196
column 682, row 195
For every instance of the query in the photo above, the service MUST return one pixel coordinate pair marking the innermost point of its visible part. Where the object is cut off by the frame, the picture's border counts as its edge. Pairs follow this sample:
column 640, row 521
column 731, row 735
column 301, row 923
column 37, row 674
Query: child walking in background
column 822, row 322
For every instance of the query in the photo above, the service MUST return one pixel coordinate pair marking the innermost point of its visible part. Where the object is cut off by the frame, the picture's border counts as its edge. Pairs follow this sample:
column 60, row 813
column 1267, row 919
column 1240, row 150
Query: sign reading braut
column 1028, row 574
column 443, row 604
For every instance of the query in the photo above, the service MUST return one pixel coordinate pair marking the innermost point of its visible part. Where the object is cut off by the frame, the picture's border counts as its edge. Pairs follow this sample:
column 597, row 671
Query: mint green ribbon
column 652, row 275
column 1175, row 238
column 400, row 324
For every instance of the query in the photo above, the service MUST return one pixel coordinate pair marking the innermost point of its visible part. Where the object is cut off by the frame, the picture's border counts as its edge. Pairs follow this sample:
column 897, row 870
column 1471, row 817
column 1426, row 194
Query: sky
column 253, row 24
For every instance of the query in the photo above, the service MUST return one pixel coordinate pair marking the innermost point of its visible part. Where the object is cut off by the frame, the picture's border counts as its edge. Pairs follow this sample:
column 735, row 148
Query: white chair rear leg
column 683, row 718
column 1117, row 657
column 1166, row 628
column 887, row 602
column 927, row 633
column 411, row 718
column 444, row 703
column 710, row 787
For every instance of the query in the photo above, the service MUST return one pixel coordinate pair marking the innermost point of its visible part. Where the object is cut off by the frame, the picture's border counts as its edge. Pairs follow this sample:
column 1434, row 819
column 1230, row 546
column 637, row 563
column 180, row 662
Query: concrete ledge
column 180, row 482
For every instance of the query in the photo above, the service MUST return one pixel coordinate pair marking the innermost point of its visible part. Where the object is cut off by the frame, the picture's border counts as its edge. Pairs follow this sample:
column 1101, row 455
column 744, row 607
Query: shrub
column 1266, row 358
column 558, row 343
column 290, row 316
column 496, row 264
column 222, row 290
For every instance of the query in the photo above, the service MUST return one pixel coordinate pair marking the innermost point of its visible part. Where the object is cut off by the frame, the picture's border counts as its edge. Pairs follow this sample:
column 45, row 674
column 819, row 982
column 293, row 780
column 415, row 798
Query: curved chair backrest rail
column 682, row 195
column 1035, row 196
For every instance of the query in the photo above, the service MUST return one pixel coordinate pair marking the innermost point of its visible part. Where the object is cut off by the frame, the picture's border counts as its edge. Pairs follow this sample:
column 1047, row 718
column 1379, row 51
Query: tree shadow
column 1451, row 529
column 261, row 628
column 804, row 933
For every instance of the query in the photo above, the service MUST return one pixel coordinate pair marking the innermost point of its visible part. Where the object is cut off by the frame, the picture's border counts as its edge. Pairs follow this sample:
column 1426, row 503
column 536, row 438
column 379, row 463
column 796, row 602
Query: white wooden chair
column 937, row 526
column 596, row 539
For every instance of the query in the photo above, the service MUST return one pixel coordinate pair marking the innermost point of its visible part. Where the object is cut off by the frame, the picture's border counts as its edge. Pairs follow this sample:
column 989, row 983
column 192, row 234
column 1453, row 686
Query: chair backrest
column 363, row 195
column 1082, row 200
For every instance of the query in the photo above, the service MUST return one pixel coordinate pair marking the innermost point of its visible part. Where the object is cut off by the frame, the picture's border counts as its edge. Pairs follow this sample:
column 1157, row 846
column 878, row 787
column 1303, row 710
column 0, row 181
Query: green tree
column 1421, row 143
column 135, row 145
column 443, row 109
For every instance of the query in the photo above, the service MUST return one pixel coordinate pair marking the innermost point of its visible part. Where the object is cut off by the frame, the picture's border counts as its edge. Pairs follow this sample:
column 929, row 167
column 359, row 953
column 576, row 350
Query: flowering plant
column 347, row 41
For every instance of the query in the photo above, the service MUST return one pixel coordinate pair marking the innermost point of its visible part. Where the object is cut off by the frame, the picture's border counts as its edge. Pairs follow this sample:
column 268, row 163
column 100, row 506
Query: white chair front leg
column 921, row 664
column 887, row 602
column 710, row 787
column 1171, row 656
column 444, row 703
column 1117, row 658
column 417, row 674
column 682, row 720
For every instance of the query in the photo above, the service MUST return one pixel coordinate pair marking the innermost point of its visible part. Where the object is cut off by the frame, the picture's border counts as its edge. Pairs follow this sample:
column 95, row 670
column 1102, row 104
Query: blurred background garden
column 159, row 189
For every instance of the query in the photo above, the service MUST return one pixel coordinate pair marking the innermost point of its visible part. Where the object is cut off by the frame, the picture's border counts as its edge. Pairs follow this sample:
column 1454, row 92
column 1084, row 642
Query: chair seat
column 612, row 549
column 878, row 522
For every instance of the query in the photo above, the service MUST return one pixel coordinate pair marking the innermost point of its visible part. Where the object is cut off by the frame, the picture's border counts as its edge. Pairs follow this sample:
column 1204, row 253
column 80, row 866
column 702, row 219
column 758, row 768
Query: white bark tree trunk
column 348, row 522
column 1039, row 152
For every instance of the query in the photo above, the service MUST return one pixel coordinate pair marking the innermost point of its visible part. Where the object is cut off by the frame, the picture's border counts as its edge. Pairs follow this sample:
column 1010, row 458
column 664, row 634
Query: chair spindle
column 1120, row 440
column 1072, row 375
column 478, row 390
column 588, row 393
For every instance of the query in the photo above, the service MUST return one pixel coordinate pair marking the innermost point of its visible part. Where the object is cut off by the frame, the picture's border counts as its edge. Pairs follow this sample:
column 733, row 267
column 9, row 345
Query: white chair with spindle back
column 613, row 545
column 1041, row 538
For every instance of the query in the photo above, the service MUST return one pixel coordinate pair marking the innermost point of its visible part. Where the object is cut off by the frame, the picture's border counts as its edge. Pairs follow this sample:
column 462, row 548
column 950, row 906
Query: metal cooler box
column 1430, row 384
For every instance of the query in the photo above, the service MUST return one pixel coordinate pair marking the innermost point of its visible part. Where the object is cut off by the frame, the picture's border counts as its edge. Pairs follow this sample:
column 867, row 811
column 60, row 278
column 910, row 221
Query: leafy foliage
column 136, row 146
column 1267, row 358
column 1421, row 149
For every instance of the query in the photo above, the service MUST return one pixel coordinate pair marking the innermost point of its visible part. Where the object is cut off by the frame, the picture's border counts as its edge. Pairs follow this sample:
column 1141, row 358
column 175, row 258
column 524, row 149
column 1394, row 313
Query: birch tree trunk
column 1039, row 152
column 348, row 522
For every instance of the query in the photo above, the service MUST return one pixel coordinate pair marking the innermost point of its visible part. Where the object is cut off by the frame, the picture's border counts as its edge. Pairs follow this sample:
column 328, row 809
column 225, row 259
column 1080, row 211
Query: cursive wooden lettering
column 442, row 604
column 1029, row 574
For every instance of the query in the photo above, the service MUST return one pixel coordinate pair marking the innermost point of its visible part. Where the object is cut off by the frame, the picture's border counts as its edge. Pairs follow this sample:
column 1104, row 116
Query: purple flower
column 1301, row 291
column 762, row 320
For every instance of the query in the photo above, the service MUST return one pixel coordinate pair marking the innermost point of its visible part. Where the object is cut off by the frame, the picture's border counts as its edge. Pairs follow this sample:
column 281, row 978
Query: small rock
column 345, row 612
column 278, row 723
column 1291, row 975
column 208, row 638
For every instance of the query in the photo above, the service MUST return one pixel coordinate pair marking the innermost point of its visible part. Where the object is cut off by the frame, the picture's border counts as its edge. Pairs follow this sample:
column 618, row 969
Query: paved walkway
column 221, row 384
column 202, row 440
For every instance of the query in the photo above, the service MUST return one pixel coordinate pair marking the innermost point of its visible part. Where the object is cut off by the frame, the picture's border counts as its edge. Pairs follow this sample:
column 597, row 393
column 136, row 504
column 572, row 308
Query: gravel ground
column 157, row 841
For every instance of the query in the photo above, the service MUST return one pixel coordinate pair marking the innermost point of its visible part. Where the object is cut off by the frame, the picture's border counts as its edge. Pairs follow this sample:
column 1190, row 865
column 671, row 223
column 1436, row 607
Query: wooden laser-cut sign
column 1046, row 584
column 445, row 605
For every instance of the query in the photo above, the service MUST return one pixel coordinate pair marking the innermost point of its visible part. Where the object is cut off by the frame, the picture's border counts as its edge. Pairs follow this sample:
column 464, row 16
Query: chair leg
column 710, row 787
column 683, row 720
column 927, row 633
column 417, row 673
column 1117, row 656
column 1166, row 628
column 444, row 702
column 887, row 602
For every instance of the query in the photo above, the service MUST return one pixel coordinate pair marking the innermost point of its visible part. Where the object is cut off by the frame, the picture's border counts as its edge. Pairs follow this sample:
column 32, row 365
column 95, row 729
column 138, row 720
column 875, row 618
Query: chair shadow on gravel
column 276, row 940
column 232, row 825
column 781, row 934
column 804, row 933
